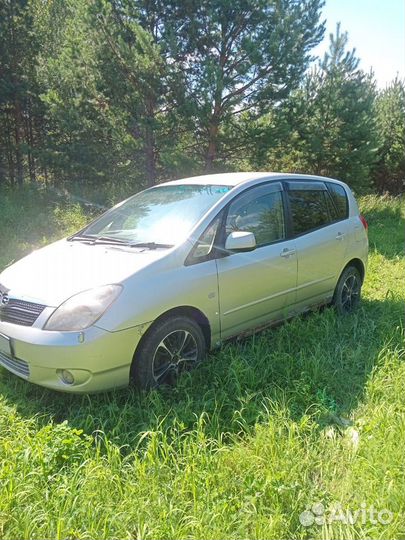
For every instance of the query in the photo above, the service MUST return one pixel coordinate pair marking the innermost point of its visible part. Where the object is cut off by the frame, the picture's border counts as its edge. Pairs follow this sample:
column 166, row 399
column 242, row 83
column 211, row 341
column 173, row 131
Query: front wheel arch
column 187, row 311
column 142, row 372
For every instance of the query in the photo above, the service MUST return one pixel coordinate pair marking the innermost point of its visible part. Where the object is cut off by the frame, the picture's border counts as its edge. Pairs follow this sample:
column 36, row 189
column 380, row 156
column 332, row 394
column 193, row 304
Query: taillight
column 364, row 221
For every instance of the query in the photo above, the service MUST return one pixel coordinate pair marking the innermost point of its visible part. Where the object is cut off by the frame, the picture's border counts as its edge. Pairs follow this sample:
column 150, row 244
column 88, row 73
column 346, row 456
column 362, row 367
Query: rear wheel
column 170, row 347
column 348, row 289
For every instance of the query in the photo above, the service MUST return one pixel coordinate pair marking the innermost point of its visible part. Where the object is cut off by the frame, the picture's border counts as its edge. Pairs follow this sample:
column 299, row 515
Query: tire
column 171, row 346
column 346, row 298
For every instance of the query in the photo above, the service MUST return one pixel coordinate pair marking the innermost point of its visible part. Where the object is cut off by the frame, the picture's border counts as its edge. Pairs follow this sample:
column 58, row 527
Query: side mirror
column 240, row 241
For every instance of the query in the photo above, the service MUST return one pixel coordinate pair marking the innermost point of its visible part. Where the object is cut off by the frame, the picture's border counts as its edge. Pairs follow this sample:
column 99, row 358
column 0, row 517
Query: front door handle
column 340, row 236
column 287, row 252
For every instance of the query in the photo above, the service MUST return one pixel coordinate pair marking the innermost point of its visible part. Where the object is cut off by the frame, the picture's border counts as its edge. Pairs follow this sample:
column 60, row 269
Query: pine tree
column 77, row 143
column 389, row 170
column 143, row 77
column 327, row 126
column 241, row 56
column 20, row 108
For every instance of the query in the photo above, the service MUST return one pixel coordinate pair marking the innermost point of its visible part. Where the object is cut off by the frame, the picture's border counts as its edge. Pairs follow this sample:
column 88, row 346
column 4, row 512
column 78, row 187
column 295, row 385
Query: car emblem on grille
column 3, row 296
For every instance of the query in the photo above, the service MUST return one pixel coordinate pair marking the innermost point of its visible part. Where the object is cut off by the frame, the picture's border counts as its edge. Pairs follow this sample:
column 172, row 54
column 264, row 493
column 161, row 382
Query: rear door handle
column 287, row 252
column 340, row 236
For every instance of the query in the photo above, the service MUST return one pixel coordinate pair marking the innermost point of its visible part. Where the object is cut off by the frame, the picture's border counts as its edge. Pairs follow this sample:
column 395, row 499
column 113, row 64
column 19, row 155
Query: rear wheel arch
column 357, row 263
column 346, row 296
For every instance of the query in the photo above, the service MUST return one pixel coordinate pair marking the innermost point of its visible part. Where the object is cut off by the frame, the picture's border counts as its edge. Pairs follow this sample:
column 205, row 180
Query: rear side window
column 339, row 197
column 310, row 209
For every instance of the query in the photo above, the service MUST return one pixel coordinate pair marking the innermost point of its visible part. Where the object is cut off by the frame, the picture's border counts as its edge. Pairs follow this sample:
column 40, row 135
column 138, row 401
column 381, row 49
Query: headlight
column 83, row 309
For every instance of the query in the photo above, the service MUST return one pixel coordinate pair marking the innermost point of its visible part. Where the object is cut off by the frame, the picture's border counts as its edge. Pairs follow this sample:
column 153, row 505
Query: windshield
column 160, row 215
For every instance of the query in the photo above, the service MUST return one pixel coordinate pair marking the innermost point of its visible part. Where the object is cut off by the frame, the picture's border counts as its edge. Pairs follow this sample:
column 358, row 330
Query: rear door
column 321, row 240
column 257, row 286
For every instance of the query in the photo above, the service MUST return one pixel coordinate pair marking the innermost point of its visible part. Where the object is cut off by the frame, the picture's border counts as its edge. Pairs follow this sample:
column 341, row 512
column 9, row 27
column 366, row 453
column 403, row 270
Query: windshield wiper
column 109, row 240
column 92, row 239
column 80, row 238
column 97, row 239
column 149, row 245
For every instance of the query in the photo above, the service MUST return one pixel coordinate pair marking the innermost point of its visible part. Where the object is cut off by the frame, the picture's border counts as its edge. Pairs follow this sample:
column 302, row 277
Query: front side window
column 260, row 211
column 310, row 209
column 161, row 215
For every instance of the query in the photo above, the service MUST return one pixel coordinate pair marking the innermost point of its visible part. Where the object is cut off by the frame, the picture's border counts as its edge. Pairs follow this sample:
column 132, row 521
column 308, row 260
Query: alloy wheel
column 176, row 352
column 350, row 293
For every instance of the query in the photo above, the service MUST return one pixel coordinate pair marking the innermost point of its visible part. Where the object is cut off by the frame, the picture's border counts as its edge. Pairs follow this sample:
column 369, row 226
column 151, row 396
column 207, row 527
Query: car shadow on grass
column 316, row 365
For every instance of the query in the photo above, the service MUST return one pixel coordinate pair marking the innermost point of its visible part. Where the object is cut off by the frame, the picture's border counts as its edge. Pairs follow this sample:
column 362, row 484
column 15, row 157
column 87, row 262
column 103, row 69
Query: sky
column 376, row 29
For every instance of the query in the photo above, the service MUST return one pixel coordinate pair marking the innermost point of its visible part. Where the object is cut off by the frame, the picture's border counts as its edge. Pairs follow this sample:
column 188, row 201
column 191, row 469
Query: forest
column 129, row 93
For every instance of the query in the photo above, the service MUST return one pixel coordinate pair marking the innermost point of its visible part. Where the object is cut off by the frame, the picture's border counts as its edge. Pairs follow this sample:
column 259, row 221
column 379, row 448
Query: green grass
column 313, row 411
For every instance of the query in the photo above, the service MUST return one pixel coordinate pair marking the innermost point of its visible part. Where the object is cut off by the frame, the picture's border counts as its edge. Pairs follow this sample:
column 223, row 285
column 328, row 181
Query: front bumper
column 98, row 360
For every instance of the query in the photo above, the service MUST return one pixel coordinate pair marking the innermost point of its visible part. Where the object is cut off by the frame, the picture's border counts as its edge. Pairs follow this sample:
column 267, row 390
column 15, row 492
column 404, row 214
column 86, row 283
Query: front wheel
column 170, row 347
column 348, row 289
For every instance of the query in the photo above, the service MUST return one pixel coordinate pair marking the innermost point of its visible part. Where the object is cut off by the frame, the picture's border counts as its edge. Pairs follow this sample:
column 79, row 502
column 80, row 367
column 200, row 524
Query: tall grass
column 310, row 412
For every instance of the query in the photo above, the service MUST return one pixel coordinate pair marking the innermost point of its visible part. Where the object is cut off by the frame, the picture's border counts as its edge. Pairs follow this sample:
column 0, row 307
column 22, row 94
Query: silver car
column 145, row 290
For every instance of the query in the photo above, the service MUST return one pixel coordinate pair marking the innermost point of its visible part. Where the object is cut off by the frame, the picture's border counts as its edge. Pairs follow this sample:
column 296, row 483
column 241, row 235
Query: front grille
column 20, row 312
column 17, row 366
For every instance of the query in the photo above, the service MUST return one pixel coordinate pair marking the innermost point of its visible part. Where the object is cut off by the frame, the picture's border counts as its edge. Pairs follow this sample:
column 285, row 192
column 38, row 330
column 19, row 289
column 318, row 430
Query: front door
column 257, row 286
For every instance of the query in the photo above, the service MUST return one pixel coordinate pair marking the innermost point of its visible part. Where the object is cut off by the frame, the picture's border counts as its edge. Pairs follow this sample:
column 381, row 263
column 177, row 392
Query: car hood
column 56, row 272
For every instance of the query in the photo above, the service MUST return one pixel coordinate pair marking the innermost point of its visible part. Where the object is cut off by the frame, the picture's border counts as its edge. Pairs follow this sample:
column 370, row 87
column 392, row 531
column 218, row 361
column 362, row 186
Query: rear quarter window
column 340, row 201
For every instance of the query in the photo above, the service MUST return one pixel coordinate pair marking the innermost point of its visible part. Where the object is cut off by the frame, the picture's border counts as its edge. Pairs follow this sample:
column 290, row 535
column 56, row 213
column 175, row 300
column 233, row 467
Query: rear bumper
column 98, row 360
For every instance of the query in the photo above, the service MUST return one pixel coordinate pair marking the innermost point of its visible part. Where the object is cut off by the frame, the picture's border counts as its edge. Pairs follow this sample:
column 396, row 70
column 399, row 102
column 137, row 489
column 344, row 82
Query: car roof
column 236, row 178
